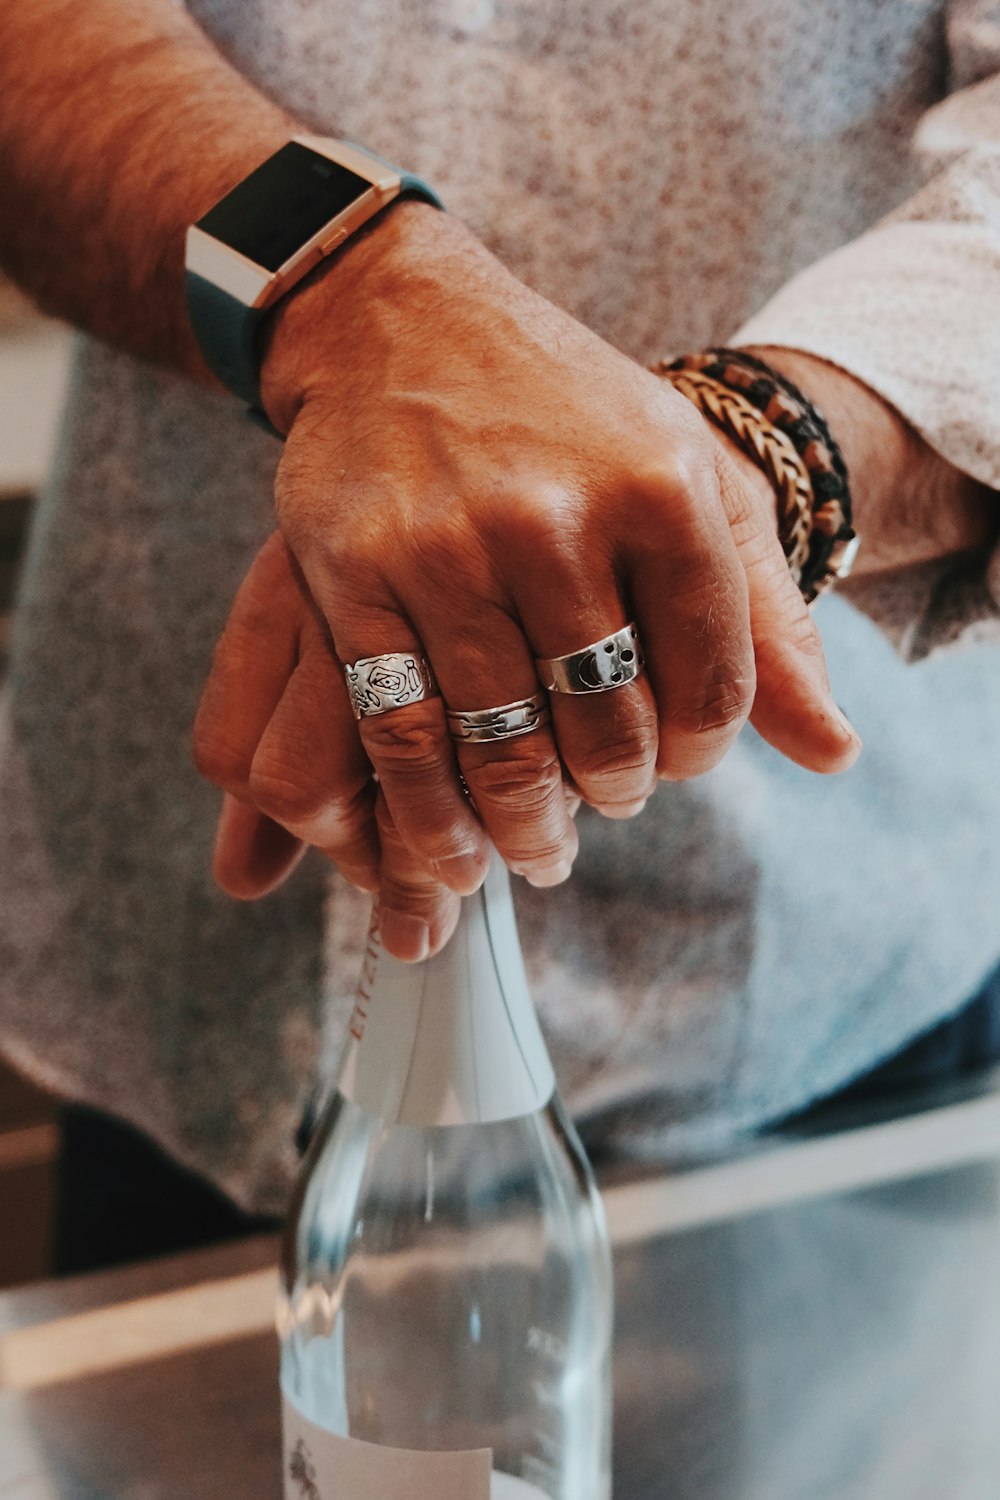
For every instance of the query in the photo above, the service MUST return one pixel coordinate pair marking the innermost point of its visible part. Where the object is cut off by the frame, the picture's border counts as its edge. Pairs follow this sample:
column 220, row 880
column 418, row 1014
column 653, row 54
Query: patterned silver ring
column 380, row 684
column 609, row 663
column 475, row 725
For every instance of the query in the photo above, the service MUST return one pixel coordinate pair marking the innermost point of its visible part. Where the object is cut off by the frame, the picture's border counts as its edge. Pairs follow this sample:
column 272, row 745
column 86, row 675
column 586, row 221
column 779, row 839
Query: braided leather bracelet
column 832, row 544
column 770, row 450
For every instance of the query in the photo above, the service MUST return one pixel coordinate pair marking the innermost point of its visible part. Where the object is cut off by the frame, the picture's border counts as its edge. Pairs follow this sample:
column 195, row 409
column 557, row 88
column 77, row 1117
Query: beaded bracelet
column 832, row 543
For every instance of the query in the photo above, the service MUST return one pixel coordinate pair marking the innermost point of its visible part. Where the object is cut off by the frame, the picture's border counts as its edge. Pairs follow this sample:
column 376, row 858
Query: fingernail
column 623, row 810
column 544, row 875
column 463, row 874
column 846, row 724
column 405, row 936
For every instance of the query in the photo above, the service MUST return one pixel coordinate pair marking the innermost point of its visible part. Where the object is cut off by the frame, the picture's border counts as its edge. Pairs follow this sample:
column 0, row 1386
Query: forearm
column 910, row 505
column 119, row 125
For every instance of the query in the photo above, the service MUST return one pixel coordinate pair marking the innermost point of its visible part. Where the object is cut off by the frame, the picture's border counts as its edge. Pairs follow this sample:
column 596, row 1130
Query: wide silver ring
column 609, row 663
column 380, row 684
column 476, row 725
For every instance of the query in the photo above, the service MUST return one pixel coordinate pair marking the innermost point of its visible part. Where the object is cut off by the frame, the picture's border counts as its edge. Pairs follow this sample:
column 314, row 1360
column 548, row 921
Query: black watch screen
column 281, row 205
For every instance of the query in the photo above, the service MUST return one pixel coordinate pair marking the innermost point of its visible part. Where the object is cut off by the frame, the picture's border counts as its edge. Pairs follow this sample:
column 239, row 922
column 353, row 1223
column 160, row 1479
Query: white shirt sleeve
column 912, row 308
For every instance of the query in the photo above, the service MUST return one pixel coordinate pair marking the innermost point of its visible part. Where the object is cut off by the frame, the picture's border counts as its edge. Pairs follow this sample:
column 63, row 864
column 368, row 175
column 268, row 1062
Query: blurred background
column 77, row 1190
column 34, row 359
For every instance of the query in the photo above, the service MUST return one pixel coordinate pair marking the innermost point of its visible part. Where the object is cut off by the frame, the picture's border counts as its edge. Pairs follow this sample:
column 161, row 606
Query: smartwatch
column 253, row 246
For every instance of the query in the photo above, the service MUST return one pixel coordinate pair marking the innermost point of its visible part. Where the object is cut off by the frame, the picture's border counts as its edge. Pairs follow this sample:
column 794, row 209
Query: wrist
column 876, row 443
column 261, row 239
column 910, row 504
column 321, row 327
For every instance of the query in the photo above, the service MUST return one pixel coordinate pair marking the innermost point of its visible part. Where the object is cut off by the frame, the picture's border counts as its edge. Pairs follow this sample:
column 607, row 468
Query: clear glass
column 450, row 1287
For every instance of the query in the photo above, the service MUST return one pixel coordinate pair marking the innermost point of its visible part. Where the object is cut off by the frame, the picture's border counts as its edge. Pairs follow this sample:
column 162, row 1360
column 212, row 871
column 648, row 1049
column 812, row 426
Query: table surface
column 817, row 1320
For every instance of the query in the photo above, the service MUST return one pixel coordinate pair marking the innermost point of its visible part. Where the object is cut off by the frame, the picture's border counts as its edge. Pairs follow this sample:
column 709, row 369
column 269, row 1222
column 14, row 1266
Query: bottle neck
column 453, row 1040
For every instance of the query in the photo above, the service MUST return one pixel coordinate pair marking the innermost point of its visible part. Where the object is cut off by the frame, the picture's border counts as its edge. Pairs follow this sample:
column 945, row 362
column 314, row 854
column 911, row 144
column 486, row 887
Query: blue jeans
column 966, row 1041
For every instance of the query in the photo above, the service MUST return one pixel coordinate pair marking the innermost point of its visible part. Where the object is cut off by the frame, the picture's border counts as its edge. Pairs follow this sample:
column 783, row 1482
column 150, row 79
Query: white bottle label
column 319, row 1465
column 454, row 1040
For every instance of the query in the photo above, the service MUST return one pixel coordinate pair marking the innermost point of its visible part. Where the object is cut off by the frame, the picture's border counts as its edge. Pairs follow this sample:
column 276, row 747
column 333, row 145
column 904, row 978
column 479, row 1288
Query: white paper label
column 454, row 1040
column 319, row 1465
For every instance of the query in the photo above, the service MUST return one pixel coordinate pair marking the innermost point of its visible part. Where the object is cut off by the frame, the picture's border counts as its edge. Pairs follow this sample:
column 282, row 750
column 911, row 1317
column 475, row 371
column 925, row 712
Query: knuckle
column 443, row 842
column 520, row 784
column 542, row 520
column 218, row 760
column 799, row 628
column 331, row 821
column 415, row 840
column 525, row 848
column 614, row 761
column 685, row 470
column 324, row 809
column 405, row 744
column 445, row 554
column 723, row 700
column 347, row 544
column 422, row 810
column 342, row 821
column 283, row 795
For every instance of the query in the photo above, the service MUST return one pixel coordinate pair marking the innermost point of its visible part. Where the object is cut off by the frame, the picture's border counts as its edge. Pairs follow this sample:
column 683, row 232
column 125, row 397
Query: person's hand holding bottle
column 471, row 474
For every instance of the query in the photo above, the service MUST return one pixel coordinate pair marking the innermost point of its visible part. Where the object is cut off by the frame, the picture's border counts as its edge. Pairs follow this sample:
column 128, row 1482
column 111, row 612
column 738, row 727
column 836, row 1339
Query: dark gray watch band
column 227, row 330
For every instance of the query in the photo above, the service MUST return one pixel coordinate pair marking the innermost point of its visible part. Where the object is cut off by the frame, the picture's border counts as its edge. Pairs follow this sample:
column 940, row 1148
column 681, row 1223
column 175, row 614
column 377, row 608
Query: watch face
column 280, row 206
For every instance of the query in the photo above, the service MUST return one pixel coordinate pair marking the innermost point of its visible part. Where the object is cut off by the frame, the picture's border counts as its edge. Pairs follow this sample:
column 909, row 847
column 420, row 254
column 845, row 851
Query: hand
column 470, row 472
column 275, row 730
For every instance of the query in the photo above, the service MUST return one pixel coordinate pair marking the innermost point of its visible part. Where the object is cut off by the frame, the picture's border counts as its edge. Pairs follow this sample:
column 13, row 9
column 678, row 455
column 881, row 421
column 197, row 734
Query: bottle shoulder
column 376, row 1189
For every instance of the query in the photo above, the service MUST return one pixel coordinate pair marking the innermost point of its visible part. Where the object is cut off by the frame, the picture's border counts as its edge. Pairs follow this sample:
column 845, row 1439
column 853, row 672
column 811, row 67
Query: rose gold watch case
column 254, row 285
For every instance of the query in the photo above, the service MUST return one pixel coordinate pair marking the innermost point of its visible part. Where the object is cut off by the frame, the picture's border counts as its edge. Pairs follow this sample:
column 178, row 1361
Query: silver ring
column 609, row 663
column 379, row 684
column 475, row 725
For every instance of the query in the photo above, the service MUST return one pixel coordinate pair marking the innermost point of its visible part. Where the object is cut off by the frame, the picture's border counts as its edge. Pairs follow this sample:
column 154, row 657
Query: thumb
column 794, row 709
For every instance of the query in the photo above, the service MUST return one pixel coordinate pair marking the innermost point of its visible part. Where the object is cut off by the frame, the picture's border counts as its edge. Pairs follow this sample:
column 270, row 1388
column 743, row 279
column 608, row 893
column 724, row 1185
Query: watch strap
column 227, row 330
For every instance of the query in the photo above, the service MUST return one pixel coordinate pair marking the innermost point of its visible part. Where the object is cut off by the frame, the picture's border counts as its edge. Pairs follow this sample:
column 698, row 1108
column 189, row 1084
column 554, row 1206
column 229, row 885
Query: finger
column 409, row 747
column 566, row 593
column 794, row 709
column 417, row 913
column 310, row 772
column 482, row 661
column 253, row 855
column 693, row 615
column 253, row 661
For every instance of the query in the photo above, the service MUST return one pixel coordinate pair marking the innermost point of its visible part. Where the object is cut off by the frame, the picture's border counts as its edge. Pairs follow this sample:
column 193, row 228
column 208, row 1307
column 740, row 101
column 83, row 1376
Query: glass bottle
column 446, row 1303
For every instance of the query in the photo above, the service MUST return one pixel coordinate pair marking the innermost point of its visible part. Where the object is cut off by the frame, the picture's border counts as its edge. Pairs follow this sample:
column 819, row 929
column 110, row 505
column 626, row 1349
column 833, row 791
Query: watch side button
column 337, row 238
